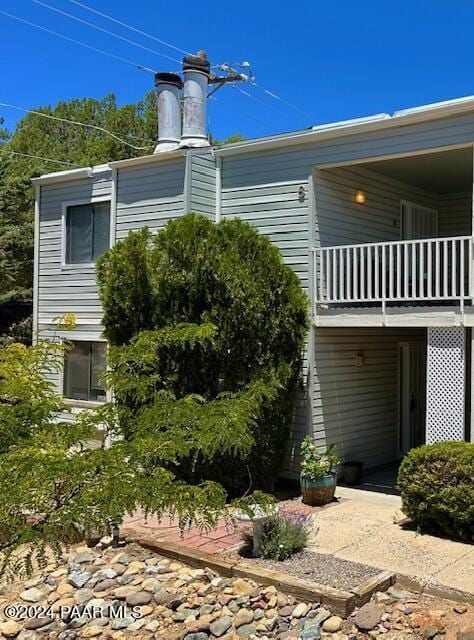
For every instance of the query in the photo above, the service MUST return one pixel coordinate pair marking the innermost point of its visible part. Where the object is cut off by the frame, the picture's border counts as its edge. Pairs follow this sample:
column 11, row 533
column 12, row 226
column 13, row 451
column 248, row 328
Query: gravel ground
column 93, row 593
column 322, row 568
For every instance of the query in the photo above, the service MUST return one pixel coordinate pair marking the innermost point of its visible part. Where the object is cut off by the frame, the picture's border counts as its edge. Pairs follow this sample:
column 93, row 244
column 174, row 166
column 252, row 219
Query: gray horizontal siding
column 277, row 212
column 455, row 214
column 356, row 408
column 295, row 162
column 263, row 188
column 149, row 196
column 339, row 220
column 203, row 184
column 66, row 289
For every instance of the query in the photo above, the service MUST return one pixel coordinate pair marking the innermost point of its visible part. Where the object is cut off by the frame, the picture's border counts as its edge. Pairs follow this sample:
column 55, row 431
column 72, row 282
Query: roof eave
column 64, row 176
column 150, row 159
column 352, row 127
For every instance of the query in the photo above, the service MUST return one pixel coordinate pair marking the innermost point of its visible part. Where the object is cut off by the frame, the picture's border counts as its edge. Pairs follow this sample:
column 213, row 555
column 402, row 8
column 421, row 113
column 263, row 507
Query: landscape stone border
column 435, row 590
column 339, row 602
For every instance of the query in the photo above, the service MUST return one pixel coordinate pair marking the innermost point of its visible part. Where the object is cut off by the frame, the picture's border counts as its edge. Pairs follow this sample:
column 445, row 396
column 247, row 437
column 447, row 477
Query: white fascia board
column 151, row 159
column 453, row 105
column 64, row 176
column 100, row 168
column 352, row 127
column 352, row 121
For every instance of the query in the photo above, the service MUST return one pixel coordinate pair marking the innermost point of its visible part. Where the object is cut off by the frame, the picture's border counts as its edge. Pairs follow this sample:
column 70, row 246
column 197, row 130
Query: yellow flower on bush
column 66, row 322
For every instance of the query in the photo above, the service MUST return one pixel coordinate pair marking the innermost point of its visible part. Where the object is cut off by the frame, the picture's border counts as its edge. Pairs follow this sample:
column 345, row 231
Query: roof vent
column 196, row 71
column 168, row 86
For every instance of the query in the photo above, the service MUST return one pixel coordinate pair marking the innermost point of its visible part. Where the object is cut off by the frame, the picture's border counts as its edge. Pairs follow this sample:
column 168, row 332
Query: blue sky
column 334, row 60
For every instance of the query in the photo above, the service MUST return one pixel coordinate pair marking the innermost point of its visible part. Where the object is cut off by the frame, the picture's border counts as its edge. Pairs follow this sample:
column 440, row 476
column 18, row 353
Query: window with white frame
column 87, row 232
column 83, row 368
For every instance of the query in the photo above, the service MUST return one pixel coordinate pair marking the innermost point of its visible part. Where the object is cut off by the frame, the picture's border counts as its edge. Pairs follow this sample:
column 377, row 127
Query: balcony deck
column 410, row 282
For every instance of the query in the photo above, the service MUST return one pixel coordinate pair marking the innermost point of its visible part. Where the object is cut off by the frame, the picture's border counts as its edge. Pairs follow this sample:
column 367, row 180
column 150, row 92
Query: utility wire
column 128, row 26
column 247, row 115
column 76, row 122
column 125, row 60
column 106, row 31
column 27, row 155
column 252, row 97
column 275, row 96
column 272, row 94
column 78, row 42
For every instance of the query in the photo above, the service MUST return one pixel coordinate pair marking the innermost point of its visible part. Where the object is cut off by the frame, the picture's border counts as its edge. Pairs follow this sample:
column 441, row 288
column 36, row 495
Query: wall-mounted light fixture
column 359, row 196
column 359, row 359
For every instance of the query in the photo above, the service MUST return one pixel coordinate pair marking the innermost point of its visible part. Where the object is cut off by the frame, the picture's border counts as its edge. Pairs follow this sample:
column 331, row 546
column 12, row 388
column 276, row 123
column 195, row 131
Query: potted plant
column 318, row 473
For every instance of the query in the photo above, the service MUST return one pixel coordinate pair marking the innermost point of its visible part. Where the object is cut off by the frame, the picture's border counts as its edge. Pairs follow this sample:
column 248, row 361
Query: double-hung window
column 83, row 368
column 87, row 231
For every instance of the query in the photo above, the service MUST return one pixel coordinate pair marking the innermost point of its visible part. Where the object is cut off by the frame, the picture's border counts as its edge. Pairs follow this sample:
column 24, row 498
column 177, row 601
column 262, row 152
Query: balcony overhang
column 377, row 283
column 423, row 316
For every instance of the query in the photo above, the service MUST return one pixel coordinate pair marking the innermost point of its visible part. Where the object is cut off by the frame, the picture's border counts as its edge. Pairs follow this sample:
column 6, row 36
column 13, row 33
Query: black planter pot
column 352, row 472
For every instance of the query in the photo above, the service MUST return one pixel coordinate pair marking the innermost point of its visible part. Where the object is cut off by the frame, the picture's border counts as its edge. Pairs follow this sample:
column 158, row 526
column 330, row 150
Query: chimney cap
column 165, row 77
column 199, row 62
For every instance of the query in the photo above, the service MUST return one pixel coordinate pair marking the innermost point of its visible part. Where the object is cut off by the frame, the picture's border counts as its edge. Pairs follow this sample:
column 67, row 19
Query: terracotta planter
column 318, row 492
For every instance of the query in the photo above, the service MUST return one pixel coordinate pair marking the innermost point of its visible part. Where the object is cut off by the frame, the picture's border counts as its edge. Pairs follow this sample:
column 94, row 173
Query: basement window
column 83, row 368
column 87, row 232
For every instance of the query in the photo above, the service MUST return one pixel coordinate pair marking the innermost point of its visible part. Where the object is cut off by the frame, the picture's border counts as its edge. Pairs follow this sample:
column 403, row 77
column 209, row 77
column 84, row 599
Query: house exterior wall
column 296, row 206
column 340, row 220
column 203, row 183
column 269, row 199
column 66, row 288
column 149, row 196
column 455, row 214
column 140, row 196
column 264, row 188
column 357, row 407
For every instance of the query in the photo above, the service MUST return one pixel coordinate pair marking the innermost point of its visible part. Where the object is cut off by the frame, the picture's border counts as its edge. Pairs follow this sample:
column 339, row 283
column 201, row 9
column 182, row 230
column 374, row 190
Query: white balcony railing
column 435, row 269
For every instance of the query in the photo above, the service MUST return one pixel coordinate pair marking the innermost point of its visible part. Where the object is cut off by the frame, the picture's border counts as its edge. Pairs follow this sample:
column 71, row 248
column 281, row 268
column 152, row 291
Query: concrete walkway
column 362, row 528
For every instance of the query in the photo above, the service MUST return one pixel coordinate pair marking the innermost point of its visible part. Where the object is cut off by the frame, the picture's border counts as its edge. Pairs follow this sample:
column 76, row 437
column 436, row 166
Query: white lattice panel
column 445, row 384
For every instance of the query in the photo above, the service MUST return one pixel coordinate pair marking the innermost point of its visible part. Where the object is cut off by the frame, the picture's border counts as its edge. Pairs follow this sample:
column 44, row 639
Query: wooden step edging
column 339, row 602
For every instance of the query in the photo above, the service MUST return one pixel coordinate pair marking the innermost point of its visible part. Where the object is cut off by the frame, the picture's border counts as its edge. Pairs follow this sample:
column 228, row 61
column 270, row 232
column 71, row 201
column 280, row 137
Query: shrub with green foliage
column 57, row 489
column 436, row 484
column 282, row 536
column 206, row 324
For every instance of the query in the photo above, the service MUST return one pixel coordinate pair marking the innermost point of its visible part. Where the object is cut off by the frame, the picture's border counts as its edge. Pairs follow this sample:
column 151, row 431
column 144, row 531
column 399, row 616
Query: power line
column 127, row 61
column 78, row 42
column 249, row 77
column 247, row 115
column 272, row 94
column 27, row 155
column 275, row 96
column 76, row 122
column 106, row 31
column 252, row 97
column 128, row 26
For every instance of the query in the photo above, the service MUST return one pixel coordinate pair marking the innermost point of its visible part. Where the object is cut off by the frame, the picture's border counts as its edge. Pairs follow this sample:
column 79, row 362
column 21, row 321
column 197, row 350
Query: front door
column 412, row 395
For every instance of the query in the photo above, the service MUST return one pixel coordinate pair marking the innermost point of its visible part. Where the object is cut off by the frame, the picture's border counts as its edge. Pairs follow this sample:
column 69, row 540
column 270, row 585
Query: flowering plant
column 315, row 465
column 283, row 535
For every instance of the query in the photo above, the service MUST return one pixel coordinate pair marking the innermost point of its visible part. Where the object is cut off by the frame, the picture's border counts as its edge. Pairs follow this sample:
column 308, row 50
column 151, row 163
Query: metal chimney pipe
column 196, row 71
column 168, row 86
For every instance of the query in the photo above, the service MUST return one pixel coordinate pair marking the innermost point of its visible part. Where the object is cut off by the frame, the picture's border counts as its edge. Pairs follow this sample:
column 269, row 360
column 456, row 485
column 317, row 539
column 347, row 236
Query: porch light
column 360, row 196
